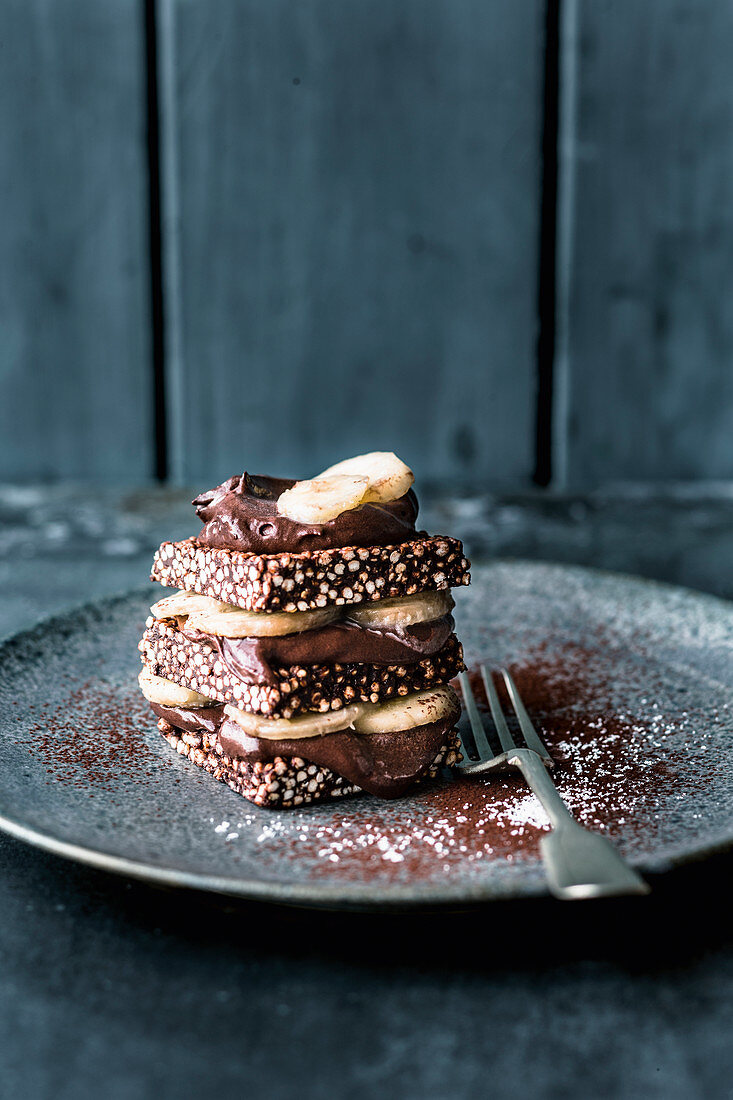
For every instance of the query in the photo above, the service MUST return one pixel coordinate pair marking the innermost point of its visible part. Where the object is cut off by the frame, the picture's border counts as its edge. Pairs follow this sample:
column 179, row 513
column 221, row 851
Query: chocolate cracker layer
column 281, row 773
column 275, row 784
column 198, row 665
column 301, row 582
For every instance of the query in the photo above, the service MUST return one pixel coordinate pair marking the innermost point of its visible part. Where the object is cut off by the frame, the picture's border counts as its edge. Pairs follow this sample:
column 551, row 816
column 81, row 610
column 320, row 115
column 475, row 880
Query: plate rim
column 325, row 896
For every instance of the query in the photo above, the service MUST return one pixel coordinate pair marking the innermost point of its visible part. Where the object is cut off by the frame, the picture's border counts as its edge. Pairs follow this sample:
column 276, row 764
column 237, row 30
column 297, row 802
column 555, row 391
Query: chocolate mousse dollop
column 241, row 514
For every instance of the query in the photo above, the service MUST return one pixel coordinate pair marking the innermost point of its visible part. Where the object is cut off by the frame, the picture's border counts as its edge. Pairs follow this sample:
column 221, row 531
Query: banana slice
column 233, row 622
column 305, row 725
column 323, row 498
column 157, row 690
column 389, row 477
column 376, row 477
column 409, row 711
column 181, row 604
column 423, row 607
column 401, row 714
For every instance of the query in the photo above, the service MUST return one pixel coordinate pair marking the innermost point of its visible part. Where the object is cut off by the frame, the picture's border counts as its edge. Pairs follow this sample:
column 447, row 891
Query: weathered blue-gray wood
column 75, row 381
column 352, row 208
column 645, row 368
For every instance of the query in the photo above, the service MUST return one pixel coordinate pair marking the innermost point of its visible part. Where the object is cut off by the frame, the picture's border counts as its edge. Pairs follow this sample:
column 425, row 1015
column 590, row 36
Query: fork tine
column 507, row 741
column 483, row 747
column 530, row 733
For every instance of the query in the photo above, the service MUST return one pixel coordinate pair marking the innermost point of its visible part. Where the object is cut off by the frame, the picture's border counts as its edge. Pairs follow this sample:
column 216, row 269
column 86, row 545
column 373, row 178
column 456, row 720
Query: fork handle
column 579, row 863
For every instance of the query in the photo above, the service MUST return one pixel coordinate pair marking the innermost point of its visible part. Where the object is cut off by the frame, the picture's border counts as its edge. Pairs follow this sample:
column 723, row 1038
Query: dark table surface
column 112, row 988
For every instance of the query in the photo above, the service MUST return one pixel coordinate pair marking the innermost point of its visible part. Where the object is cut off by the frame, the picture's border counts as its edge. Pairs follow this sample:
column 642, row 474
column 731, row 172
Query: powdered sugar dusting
column 617, row 773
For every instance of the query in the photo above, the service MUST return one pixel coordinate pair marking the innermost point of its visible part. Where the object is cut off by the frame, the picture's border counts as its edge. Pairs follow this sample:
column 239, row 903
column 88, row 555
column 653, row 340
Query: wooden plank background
column 352, row 197
column 356, row 193
column 75, row 371
column 649, row 352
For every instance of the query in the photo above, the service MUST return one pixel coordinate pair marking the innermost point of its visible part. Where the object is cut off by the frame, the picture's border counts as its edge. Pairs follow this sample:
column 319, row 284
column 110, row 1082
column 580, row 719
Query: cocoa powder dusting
column 614, row 769
column 98, row 760
column 613, row 721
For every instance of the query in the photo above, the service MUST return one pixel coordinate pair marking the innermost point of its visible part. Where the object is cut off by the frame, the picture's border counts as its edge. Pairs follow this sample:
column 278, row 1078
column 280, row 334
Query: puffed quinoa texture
column 301, row 582
column 282, row 783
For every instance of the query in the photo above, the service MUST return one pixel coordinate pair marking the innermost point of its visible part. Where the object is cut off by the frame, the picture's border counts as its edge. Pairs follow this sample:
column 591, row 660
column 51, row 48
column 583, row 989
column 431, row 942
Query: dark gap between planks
column 547, row 246
column 155, row 236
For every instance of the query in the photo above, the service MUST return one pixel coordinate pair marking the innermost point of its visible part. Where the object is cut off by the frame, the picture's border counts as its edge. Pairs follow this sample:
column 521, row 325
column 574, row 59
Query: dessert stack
column 308, row 650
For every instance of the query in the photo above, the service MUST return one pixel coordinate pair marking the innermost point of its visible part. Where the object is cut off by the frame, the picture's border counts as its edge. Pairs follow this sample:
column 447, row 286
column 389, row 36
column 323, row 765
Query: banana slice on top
column 423, row 607
column 389, row 478
column 323, row 498
column 377, row 477
column 158, row 690
column 233, row 622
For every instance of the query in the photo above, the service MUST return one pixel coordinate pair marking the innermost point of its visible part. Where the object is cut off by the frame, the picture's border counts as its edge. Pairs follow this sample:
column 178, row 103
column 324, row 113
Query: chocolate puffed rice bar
column 313, row 579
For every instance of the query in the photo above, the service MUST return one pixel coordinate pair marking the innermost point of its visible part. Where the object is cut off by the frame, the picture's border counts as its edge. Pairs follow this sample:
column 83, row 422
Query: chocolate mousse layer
column 254, row 659
column 383, row 764
column 241, row 514
column 301, row 688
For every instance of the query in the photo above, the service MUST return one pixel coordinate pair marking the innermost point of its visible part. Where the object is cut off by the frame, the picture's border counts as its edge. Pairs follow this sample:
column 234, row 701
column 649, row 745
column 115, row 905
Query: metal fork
column 579, row 863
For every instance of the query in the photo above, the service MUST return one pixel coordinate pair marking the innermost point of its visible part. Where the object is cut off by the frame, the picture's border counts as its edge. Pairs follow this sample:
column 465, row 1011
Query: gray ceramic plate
column 631, row 684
